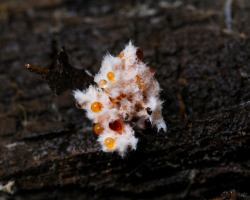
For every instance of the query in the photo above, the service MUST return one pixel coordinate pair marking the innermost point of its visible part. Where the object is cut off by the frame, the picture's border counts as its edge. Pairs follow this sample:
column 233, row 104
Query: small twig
column 36, row 69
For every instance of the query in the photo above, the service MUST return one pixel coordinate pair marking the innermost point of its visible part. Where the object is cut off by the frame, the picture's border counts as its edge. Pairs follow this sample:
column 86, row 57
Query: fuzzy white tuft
column 133, row 94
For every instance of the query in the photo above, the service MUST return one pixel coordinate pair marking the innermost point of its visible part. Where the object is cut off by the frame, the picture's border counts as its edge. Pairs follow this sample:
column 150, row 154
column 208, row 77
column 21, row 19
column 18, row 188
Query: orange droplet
column 111, row 76
column 98, row 129
column 130, row 98
column 121, row 55
column 140, row 105
column 115, row 125
column 107, row 91
column 119, row 98
column 151, row 70
column 138, row 78
column 122, row 95
column 139, row 53
column 141, row 85
column 112, row 100
column 96, row 107
column 109, row 142
column 103, row 83
column 139, row 82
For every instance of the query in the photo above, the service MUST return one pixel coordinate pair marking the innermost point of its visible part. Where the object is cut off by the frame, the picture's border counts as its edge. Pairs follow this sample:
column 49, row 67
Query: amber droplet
column 103, row 83
column 119, row 98
column 130, row 98
column 139, row 53
column 151, row 70
column 138, row 78
column 122, row 95
column 121, row 55
column 107, row 91
column 141, row 85
column 109, row 142
column 139, row 106
column 115, row 125
column 111, row 76
column 98, row 129
column 96, row 107
column 139, row 82
column 112, row 100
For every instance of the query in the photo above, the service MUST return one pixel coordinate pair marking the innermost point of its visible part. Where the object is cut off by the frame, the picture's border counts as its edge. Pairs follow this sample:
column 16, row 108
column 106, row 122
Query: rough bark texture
column 48, row 146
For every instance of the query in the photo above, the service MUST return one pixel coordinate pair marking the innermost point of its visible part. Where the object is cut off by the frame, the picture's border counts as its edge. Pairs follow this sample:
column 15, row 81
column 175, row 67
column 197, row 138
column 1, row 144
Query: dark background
column 48, row 147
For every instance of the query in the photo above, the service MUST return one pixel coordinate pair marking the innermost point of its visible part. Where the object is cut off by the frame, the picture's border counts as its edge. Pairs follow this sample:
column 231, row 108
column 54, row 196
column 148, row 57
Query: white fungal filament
column 127, row 90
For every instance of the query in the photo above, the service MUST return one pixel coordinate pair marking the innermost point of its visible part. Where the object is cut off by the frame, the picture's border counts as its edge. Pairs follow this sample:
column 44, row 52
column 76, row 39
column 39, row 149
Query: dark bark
column 48, row 146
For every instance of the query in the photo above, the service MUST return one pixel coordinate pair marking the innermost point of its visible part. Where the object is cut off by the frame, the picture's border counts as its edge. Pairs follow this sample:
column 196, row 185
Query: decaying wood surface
column 48, row 148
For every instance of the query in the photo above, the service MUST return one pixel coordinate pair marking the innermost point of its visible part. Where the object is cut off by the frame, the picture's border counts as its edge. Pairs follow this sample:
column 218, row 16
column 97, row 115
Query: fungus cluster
column 125, row 98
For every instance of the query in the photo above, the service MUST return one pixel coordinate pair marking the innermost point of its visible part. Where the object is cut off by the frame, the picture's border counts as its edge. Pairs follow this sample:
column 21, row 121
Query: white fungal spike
column 130, row 91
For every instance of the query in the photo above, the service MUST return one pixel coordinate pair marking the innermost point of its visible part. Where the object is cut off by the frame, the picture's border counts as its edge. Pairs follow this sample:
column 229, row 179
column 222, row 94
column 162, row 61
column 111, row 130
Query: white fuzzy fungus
column 128, row 93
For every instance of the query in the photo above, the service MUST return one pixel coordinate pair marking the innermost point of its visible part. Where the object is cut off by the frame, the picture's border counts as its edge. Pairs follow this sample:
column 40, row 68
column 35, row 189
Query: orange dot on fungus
column 112, row 100
column 111, row 76
column 140, row 105
column 121, row 55
column 119, row 98
column 115, row 125
column 103, row 83
column 151, row 70
column 96, row 107
column 122, row 95
column 109, row 142
column 98, row 129
column 107, row 91
column 139, row 82
column 138, row 78
column 139, row 53
column 141, row 85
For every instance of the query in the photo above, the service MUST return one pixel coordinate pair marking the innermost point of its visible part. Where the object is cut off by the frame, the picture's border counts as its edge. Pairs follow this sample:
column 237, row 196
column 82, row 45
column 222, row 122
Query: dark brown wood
column 48, row 147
